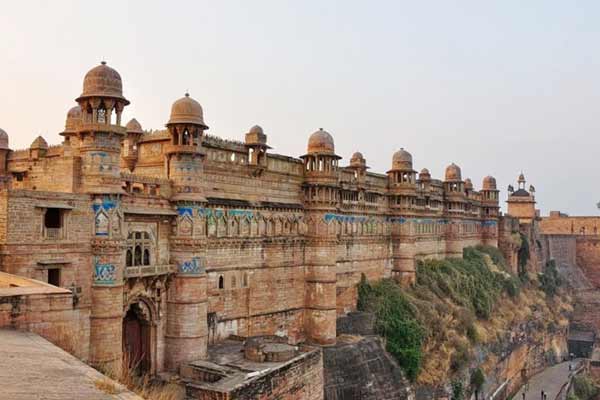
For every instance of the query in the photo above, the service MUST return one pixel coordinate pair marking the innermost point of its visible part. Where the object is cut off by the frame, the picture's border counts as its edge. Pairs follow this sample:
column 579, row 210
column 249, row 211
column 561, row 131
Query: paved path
column 550, row 381
column 33, row 368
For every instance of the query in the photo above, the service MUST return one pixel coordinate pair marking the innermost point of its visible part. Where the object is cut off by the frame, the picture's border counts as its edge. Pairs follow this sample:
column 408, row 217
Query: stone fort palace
column 163, row 244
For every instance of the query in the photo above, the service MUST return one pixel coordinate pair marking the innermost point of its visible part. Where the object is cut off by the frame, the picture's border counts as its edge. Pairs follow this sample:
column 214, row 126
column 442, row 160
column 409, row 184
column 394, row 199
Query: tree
column 477, row 381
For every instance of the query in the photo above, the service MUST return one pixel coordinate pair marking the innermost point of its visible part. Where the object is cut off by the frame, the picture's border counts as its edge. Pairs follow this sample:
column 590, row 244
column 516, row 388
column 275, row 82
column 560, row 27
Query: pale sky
column 496, row 87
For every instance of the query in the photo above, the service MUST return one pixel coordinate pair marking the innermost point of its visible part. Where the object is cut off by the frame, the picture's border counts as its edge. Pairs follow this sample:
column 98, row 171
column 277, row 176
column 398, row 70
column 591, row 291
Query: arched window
column 233, row 282
column 129, row 258
column 137, row 258
column 221, row 282
column 139, row 249
column 185, row 139
column 245, row 280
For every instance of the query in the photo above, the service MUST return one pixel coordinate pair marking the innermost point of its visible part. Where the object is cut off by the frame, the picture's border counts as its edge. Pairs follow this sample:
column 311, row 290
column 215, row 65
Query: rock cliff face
column 359, row 368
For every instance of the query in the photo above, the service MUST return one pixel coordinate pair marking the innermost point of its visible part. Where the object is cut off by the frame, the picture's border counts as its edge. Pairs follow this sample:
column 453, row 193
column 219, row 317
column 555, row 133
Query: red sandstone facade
column 172, row 240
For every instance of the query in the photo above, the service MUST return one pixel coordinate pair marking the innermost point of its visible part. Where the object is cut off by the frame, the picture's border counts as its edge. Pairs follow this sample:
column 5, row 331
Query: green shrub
column 477, row 379
column 523, row 256
column 550, row 279
column 584, row 388
column 472, row 334
column 458, row 392
column 396, row 322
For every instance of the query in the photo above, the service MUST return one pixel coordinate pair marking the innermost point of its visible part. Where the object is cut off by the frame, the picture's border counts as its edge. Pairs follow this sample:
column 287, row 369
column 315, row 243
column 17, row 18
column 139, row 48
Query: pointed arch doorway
column 137, row 338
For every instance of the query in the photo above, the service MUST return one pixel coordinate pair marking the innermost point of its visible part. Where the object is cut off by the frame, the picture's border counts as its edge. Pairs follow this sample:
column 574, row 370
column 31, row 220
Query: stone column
column 403, row 251
column 187, row 330
column 106, row 319
column 320, row 283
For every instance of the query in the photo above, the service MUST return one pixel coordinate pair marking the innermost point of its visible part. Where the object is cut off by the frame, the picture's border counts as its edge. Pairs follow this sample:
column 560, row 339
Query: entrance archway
column 136, row 340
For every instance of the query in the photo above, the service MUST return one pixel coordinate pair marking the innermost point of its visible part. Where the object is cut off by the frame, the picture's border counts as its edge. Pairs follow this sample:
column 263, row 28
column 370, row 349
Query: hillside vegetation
column 455, row 305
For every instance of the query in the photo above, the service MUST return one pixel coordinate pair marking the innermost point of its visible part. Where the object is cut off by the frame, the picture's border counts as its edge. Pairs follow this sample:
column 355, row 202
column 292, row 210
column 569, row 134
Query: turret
column 256, row 142
column 98, row 135
column 521, row 203
column 402, row 181
column 358, row 164
column 185, row 156
column 129, row 153
column 321, row 194
column 4, row 150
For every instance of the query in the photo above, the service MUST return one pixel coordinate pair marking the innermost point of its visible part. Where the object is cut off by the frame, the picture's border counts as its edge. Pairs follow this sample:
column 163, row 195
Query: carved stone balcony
column 140, row 271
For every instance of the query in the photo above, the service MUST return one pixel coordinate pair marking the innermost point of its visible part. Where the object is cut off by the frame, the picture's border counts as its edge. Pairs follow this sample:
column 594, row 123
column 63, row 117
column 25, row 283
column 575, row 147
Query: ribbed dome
column 3, row 140
column 134, row 126
column 357, row 159
column 402, row 159
column 468, row 184
column 73, row 119
column 321, row 142
column 187, row 111
column 453, row 173
column 256, row 129
column 489, row 183
column 103, row 81
column 39, row 143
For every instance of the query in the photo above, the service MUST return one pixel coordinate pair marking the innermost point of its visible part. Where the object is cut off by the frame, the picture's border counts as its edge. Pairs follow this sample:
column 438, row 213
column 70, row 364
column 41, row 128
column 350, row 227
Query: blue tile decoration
column 104, row 274
column 194, row 266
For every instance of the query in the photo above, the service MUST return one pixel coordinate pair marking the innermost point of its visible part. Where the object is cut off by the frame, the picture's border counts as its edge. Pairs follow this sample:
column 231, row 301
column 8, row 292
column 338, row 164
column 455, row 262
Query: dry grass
column 106, row 385
column 144, row 386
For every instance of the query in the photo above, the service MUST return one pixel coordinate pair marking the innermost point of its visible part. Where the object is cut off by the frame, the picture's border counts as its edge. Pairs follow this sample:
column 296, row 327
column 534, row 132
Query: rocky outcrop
column 359, row 368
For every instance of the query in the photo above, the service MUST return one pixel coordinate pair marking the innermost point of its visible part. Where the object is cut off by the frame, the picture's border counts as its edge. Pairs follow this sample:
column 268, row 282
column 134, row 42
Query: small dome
column 424, row 175
column 321, row 142
column 489, row 183
column 3, row 140
column 103, row 81
column 402, row 159
column 256, row 129
column 134, row 126
column 73, row 119
column 187, row 111
column 468, row 184
column 453, row 173
column 521, row 177
column 357, row 160
column 39, row 143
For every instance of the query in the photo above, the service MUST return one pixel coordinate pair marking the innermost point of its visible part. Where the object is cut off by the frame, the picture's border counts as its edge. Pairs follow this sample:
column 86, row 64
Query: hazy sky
column 497, row 87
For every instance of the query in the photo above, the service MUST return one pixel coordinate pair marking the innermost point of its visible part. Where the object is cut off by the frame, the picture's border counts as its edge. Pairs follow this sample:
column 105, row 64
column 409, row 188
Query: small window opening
column 54, row 276
column 221, row 282
column 52, row 218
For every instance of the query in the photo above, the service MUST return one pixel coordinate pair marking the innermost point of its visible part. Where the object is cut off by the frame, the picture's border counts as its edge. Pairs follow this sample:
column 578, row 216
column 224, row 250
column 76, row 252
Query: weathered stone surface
column 358, row 368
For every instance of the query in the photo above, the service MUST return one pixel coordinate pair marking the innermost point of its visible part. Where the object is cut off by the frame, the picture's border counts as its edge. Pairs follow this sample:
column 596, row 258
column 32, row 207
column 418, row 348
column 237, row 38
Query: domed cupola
column 98, row 135
column 402, row 172
column 256, row 142
column 453, row 173
column 402, row 160
column 320, row 157
column 133, row 126
column 424, row 175
column 103, row 81
column 73, row 121
column 321, row 142
column 187, row 111
column 38, row 148
column 185, row 155
column 490, row 196
column 3, row 140
column 489, row 183
column 321, row 170
column 468, row 184
column 358, row 161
